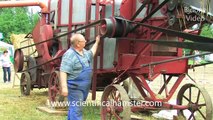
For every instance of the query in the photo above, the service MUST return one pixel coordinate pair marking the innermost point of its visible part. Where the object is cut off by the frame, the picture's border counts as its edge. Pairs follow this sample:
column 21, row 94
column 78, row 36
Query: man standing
column 75, row 74
column 6, row 63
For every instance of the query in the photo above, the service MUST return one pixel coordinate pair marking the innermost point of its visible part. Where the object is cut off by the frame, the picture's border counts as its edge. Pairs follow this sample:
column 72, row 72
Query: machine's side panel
column 65, row 12
column 79, row 11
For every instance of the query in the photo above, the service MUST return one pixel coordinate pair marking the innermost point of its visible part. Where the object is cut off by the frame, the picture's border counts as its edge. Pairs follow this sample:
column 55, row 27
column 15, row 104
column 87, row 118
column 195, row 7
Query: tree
column 207, row 31
column 16, row 20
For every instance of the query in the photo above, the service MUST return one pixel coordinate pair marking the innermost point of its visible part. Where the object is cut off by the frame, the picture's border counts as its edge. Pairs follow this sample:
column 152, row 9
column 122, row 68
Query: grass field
column 16, row 107
column 13, row 106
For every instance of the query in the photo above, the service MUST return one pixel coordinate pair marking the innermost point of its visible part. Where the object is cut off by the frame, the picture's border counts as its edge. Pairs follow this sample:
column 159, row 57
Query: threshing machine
column 141, row 40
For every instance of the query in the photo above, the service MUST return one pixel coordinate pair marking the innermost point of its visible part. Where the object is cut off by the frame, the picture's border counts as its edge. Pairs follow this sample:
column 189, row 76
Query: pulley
column 114, row 27
column 19, row 60
column 172, row 20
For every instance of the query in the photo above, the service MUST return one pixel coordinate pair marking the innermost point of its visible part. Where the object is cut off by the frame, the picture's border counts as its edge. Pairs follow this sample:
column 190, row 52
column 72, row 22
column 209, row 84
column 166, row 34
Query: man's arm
column 95, row 46
column 63, row 79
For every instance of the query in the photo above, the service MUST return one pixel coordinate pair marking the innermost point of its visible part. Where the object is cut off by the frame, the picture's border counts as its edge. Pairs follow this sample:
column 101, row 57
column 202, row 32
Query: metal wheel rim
column 31, row 62
column 25, row 83
column 18, row 60
column 54, row 87
column 107, row 114
column 201, row 93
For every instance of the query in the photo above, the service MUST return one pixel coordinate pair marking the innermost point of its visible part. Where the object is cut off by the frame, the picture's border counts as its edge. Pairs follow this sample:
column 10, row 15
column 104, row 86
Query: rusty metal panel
column 65, row 11
column 165, row 48
column 109, row 50
column 63, row 39
column 79, row 11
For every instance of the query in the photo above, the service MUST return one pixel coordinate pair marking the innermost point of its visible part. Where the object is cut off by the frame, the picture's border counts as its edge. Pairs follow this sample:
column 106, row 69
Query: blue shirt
column 71, row 65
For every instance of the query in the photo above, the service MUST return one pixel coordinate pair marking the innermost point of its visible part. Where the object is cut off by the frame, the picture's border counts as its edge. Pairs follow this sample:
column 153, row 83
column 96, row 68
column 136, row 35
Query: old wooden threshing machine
column 141, row 40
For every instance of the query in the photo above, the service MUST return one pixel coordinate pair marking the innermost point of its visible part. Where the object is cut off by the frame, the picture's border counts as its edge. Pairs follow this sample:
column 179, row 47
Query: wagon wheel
column 115, row 104
column 19, row 60
column 25, row 83
column 54, row 87
column 199, row 102
column 31, row 62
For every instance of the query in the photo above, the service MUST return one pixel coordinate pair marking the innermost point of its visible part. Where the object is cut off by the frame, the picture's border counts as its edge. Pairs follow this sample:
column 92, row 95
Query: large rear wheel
column 198, row 101
column 54, row 87
column 115, row 104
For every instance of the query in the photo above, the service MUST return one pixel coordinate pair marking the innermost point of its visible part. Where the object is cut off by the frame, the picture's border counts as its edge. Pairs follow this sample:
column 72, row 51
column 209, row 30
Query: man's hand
column 95, row 46
column 63, row 82
column 64, row 91
column 97, row 40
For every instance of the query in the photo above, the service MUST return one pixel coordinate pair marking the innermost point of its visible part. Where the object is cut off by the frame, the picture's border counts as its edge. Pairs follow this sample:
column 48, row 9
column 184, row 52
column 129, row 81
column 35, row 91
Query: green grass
column 13, row 106
column 191, row 62
column 16, row 107
column 91, row 113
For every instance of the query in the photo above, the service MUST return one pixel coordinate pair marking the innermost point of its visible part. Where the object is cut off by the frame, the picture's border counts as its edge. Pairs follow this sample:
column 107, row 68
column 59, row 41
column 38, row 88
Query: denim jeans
column 6, row 73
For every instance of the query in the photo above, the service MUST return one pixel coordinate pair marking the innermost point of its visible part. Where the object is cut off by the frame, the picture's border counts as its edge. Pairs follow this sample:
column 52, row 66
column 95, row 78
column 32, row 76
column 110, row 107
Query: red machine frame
column 137, row 60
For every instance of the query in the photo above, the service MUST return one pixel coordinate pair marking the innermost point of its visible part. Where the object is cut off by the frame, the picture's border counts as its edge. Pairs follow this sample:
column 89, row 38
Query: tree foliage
column 207, row 31
column 16, row 20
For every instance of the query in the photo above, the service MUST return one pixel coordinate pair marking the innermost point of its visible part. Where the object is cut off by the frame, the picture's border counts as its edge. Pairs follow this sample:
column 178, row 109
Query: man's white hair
column 75, row 38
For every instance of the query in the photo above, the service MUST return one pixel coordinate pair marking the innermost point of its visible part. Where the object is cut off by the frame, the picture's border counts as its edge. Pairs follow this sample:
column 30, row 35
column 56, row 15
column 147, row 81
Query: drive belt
column 81, row 28
column 189, row 45
column 191, row 37
column 72, row 31
column 59, row 57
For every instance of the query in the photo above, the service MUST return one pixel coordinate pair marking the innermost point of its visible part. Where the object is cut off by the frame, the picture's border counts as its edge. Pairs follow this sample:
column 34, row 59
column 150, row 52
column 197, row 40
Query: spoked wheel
column 198, row 101
column 54, row 87
column 115, row 104
column 25, row 83
column 31, row 62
